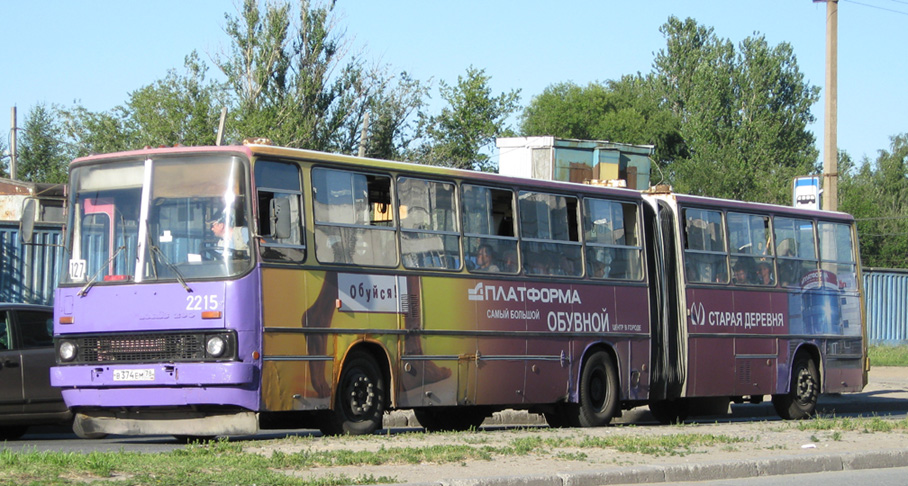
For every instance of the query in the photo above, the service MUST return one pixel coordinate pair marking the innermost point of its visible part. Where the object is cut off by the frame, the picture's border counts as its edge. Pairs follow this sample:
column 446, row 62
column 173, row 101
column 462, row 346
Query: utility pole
column 830, row 145
column 12, row 144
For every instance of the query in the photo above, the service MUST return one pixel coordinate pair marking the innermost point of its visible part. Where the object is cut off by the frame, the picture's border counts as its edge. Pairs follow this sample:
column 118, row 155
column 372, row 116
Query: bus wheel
column 598, row 392
column 801, row 400
column 670, row 411
column 436, row 419
column 359, row 403
column 12, row 433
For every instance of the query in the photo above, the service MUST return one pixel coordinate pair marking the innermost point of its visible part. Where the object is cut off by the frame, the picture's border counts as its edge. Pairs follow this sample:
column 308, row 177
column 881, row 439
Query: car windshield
column 158, row 219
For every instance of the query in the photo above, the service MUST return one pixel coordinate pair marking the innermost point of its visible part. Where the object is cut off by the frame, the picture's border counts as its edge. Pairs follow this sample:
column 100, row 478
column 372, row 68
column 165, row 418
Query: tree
column 744, row 114
column 876, row 194
column 471, row 120
column 179, row 109
column 4, row 159
column 42, row 155
column 625, row 111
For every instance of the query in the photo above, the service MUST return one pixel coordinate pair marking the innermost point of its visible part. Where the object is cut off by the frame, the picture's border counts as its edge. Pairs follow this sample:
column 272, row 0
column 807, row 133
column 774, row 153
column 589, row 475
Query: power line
column 881, row 218
column 878, row 7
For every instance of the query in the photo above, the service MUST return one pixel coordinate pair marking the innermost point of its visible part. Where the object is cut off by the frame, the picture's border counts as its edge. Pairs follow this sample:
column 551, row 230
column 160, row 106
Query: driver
column 230, row 238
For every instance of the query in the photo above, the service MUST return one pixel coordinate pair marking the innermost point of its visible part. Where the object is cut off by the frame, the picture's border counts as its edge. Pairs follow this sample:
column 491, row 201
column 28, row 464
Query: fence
column 886, row 292
column 28, row 273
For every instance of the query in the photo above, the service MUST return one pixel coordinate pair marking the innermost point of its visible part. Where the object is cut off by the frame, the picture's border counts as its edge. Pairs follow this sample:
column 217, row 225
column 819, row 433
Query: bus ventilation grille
column 137, row 348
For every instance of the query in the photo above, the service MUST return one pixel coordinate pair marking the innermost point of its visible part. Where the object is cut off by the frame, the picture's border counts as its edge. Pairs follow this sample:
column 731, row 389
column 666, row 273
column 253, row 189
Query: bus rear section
column 771, row 306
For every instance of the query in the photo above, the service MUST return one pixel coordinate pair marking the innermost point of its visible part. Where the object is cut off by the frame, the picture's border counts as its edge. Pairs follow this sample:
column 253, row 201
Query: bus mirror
column 27, row 220
column 280, row 218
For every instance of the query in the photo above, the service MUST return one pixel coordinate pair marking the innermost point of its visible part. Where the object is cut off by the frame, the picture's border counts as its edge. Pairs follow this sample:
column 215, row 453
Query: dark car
column 26, row 355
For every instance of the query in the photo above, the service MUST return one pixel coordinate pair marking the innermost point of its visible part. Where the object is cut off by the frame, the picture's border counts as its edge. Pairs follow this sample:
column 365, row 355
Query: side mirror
column 27, row 220
column 280, row 218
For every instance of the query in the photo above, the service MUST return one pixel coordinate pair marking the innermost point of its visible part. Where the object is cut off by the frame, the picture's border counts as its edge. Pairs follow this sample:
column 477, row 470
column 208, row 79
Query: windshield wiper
column 94, row 277
column 157, row 251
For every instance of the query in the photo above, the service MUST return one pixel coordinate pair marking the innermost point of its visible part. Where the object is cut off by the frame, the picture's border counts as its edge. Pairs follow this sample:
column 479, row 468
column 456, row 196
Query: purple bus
column 222, row 290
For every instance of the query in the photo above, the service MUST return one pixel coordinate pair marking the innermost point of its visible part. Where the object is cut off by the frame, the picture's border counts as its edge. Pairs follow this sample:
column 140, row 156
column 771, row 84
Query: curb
column 697, row 472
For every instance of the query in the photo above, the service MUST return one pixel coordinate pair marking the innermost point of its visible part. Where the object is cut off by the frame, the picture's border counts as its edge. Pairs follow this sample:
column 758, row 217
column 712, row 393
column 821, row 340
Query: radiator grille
column 137, row 348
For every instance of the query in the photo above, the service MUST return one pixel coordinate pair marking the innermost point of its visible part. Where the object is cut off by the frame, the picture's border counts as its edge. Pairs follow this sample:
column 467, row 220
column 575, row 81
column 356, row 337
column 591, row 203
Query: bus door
column 668, row 372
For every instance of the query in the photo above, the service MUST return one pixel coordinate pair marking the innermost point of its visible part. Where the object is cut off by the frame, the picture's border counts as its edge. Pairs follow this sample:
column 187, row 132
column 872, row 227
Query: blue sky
column 97, row 52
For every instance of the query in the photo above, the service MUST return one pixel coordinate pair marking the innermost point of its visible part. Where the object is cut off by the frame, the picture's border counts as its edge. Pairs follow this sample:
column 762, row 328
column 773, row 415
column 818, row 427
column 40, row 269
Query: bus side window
column 354, row 220
column 705, row 259
column 280, row 213
column 795, row 250
column 550, row 236
column 612, row 244
column 429, row 235
column 488, row 226
column 837, row 255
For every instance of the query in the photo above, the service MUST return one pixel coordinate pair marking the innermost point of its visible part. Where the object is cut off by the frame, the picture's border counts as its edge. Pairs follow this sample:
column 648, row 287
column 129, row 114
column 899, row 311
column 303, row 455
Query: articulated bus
column 222, row 290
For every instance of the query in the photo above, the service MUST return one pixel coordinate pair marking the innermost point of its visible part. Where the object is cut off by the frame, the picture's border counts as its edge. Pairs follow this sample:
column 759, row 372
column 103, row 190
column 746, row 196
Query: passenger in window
column 509, row 264
column 742, row 273
column 485, row 258
column 764, row 274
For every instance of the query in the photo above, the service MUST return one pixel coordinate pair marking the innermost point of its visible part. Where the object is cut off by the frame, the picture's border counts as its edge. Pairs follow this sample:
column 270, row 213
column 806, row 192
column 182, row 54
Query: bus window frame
column 393, row 228
column 280, row 252
column 587, row 245
column 577, row 227
column 768, row 255
column 485, row 238
column 456, row 232
column 686, row 252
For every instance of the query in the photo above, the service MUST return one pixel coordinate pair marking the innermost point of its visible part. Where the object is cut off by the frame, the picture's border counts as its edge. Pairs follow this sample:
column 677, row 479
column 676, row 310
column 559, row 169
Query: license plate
column 133, row 375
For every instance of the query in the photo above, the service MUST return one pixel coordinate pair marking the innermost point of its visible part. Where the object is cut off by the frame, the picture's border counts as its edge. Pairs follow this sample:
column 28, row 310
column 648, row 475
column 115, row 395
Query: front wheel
column 801, row 400
column 598, row 393
column 359, row 402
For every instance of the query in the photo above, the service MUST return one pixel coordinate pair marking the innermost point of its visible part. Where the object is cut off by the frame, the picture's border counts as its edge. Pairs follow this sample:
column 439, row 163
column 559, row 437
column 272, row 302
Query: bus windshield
column 158, row 219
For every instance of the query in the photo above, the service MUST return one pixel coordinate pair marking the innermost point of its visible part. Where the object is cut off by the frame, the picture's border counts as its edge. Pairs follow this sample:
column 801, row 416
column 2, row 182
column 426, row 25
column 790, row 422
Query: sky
column 97, row 52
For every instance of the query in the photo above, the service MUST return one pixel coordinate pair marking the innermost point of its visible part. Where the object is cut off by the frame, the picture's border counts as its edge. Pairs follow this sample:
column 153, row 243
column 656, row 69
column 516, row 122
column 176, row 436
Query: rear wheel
column 359, row 403
column 598, row 393
column 670, row 411
column 450, row 418
column 801, row 400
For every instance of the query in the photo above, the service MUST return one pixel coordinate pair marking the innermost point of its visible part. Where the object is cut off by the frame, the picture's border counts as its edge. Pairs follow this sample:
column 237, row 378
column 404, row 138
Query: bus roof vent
column 659, row 189
column 257, row 141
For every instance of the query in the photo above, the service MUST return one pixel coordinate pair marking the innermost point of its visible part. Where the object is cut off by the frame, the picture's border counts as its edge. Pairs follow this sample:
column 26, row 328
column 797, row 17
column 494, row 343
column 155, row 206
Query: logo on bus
column 501, row 293
column 697, row 314
column 748, row 320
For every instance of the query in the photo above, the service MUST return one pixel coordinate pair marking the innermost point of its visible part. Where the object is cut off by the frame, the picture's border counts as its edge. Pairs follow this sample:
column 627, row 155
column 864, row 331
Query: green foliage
column 876, row 194
column 42, row 155
column 744, row 113
column 471, row 121
column 626, row 111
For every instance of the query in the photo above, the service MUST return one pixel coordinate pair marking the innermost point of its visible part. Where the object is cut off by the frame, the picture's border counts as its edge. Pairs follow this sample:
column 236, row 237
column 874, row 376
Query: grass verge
column 888, row 355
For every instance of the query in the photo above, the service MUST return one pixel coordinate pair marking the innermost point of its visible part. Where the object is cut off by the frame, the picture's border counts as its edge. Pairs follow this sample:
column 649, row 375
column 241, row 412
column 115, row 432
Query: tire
column 801, row 400
column 670, row 411
column 557, row 417
column 598, row 393
column 450, row 418
column 359, row 401
column 12, row 432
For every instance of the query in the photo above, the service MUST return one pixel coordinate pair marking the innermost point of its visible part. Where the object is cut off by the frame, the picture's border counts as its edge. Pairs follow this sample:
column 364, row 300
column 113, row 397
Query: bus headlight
column 67, row 351
column 215, row 346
